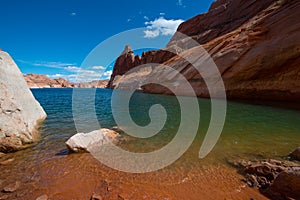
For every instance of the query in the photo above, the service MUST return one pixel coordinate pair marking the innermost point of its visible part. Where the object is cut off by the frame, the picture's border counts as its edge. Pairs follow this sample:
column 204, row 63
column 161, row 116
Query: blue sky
column 53, row 37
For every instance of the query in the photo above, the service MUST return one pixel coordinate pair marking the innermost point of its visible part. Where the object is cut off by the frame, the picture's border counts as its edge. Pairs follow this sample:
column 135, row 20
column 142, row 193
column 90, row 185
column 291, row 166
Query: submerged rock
column 96, row 197
column 275, row 179
column 295, row 155
column 262, row 173
column 42, row 197
column 267, row 169
column 2, row 154
column 5, row 196
column 12, row 187
column 286, row 185
column 83, row 142
column 19, row 111
column 5, row 162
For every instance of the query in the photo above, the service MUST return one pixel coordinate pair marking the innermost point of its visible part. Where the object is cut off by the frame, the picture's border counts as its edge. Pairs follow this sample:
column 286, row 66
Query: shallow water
column 250, row 132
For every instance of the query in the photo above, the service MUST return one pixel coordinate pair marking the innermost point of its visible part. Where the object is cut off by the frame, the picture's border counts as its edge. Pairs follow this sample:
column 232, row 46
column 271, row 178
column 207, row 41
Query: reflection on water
column 251, row 131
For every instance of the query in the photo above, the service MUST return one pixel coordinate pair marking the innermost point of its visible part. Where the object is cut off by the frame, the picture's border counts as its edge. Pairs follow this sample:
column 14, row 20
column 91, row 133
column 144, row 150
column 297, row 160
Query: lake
column 250, row 132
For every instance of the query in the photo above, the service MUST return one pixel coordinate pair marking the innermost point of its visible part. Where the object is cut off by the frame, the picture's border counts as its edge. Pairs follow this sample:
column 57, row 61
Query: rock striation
column 255, row 45
column 19, row 111
column 43, row 81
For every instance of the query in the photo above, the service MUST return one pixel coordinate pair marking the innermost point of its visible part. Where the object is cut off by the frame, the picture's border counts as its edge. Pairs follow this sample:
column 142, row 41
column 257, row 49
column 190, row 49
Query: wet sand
column 79, row 176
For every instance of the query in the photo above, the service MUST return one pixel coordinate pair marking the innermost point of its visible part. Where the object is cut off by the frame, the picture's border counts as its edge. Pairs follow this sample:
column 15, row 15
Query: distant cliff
column 255, row 45
column 43, row 81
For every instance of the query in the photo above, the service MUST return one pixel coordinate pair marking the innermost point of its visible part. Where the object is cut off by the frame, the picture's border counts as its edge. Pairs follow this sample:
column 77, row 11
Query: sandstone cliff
column 92, row 84
column 43, row 81
column 127, row 61
column 19, row 111
column 255, row 45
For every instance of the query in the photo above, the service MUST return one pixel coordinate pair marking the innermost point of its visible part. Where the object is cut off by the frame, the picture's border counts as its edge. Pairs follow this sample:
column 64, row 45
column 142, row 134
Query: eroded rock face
column 19, row 111
column 224, row 16
column 84, row 142
column 128, row 60
column 255, row 45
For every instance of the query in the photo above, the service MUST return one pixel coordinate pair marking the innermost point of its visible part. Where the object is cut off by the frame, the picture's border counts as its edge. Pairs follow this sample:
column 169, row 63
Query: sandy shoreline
column 79, row 176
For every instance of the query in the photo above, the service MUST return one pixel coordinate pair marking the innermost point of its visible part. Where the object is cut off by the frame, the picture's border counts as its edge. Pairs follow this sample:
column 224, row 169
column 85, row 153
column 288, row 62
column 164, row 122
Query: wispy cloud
column 73, row 14
column 107, row 74
column 73, row 73
column 98, row 67
column 58, row 65
column 83, row 76
column 161, row 26
column 72, row 68
column 180, row 3
column 86, row 74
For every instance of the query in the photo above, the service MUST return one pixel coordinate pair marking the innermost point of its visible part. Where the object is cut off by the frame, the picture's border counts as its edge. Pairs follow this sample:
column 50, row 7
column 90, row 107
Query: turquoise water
column 250, row 131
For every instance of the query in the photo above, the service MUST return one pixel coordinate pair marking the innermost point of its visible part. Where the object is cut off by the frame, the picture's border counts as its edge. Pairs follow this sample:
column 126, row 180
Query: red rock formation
column 43, row 81
column 128, row 60
column 92, row 84
column 223, row 17
column 255, row 44
column 61, row 82
column 37, row 80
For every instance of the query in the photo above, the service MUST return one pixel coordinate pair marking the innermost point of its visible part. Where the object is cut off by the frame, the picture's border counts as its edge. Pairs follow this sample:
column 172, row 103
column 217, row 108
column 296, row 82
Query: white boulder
column 19, row 111
column 83, row 142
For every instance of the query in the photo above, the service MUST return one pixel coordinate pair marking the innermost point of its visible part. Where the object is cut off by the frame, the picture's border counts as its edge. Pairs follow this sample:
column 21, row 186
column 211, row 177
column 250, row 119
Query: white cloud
column 98, row 67
column 55, row 76
column 151, row 33
column 129, row 20
column 82, row 75
column 73, row 14
column 161, row 26
column 107, row 73
column 73, row 73
column 72, row 68
column 162, row 14
column 52, row 64
column 58, row 65
column 146, row 18
column 179, row 2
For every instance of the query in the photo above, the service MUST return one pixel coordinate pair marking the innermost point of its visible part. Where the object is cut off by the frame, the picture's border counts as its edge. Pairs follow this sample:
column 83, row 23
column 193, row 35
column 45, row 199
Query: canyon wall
column 255, row 45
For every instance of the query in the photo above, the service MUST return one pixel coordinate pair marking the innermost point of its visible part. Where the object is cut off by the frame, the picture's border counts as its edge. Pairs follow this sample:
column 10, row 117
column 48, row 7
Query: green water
column 250, row 131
